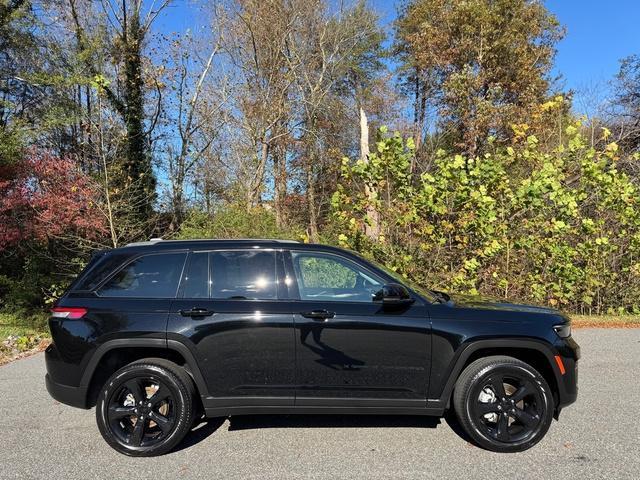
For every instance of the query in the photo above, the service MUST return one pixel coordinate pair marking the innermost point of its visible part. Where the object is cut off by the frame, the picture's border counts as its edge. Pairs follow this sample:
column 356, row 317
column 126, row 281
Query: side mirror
column 393, row 294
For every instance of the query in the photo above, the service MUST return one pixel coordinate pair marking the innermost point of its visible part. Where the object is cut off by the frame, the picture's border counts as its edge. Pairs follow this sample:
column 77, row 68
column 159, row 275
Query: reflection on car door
column 349, row 349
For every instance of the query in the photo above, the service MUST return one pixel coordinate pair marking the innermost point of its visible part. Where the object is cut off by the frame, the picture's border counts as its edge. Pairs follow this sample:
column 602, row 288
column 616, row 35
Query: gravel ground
column 598, row 437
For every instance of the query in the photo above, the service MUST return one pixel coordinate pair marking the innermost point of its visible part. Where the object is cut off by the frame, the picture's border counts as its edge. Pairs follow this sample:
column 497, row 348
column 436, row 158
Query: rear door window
column 231, row 275
column 148, row 276
column 247, row 274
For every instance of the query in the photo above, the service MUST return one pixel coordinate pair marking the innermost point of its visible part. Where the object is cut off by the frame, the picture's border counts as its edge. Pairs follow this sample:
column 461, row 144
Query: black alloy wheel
column 142, row 413
column 504, row 404
column 146, row 408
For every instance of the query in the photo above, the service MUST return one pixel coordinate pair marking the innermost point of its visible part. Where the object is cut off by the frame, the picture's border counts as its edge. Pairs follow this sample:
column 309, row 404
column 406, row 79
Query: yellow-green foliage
column 235, row 221
column 560, row 227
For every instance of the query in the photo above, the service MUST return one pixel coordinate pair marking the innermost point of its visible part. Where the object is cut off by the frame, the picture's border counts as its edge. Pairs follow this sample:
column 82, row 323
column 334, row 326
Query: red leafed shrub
column 45, row 196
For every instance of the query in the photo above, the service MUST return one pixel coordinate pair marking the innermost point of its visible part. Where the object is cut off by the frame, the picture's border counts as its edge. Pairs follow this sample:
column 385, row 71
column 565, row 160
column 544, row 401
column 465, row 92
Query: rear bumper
column 62, row 378
column 74, row 396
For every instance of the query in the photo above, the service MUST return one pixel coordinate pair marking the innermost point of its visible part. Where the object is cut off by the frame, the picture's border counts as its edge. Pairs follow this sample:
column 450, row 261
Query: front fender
column 440, row 394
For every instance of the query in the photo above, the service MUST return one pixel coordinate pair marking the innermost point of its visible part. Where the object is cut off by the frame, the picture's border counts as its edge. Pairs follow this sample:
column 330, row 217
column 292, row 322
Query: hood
column 487, row 303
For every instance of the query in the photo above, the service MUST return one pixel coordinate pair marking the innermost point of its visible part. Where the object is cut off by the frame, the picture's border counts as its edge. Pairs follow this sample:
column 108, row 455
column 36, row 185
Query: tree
column 482, row 64
column 627, row 102
column 196, row 109
column 565, row 233
column 20, row 98
column 337, row 59
column 256, row 42
column 46, row 198
column 120, row 43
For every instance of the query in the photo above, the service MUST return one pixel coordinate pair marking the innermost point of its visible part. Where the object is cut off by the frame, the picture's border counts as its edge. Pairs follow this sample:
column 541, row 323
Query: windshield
column 425, row 292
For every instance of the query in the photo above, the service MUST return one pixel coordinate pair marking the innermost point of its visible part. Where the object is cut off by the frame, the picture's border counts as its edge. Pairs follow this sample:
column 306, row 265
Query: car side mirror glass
column 393, row 294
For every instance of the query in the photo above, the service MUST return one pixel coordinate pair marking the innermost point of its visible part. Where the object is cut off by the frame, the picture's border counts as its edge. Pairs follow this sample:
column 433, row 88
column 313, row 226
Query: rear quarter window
column 149, row 276
column 98, row 268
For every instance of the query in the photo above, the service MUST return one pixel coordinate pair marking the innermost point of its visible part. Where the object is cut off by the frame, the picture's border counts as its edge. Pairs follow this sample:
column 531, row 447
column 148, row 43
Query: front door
column 350, row 350
column 241, row 335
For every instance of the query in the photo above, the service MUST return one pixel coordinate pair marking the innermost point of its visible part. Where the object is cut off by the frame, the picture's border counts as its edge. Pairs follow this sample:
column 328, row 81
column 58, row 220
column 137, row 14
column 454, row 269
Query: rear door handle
column 318, row 314
column 197, row 312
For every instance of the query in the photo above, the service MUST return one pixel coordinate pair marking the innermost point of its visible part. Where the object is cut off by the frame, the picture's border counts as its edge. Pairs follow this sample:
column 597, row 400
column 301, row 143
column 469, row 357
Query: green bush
column 555, row 226
column 234, row 221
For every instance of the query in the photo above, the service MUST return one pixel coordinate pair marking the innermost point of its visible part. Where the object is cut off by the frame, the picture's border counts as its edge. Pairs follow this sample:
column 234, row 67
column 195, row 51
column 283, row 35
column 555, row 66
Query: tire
column 503, row 404
column 146, row 408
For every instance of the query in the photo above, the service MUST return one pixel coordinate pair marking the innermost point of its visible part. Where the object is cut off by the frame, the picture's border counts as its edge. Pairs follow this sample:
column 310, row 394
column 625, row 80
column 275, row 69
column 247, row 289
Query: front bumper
column 569, row 351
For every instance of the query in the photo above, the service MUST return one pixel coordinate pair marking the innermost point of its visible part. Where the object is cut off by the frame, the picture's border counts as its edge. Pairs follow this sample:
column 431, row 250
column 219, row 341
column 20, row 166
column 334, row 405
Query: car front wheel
column 146, row 408
column 503, row 404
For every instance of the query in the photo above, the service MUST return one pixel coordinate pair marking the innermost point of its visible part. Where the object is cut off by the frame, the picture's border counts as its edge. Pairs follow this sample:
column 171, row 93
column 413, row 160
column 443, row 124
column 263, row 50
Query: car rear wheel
column 503, row 404
column 146, row 408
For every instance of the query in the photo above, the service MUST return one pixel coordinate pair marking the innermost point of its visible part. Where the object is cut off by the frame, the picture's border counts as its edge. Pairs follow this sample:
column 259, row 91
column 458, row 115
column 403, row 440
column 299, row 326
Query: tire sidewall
column 181, row 405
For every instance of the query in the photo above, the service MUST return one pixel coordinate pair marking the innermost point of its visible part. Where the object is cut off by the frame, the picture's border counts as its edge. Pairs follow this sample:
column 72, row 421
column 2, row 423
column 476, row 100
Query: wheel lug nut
column 149, row 405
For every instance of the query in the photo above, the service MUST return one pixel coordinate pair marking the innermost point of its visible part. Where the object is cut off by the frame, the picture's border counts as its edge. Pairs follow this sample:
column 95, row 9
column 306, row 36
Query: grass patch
column 22, row 334
column 605, row 321
column 23, row 323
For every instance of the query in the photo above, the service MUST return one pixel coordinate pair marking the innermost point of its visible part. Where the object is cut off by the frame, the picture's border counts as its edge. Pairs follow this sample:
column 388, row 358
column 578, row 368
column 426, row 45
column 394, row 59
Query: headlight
column 563, row 331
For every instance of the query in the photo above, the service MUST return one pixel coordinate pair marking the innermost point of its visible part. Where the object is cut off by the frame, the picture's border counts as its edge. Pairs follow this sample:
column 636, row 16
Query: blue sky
column 599, row 34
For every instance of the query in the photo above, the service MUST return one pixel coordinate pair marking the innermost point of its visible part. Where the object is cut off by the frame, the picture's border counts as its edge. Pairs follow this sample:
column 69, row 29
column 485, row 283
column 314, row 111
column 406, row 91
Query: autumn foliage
column 44, row 197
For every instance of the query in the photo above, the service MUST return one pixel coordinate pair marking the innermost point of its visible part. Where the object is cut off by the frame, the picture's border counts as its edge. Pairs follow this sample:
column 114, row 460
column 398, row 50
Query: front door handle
column 318, row 314
column 197, row 312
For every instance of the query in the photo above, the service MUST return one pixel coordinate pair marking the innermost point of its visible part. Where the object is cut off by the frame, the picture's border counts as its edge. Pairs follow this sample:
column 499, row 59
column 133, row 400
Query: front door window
column 327, row 277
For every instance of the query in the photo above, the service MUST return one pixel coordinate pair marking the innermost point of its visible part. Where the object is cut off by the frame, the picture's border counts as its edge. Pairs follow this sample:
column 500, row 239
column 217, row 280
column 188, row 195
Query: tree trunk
column 311, row 203
column 255, row 190
column 420, row 104
column 178, row 201
column 280, row 180
column 372, row 226
column 137, row 167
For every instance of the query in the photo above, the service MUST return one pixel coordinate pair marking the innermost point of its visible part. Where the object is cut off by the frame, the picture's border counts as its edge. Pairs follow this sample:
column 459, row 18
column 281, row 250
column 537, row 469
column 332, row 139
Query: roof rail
column 144, row 242
column 153, row 241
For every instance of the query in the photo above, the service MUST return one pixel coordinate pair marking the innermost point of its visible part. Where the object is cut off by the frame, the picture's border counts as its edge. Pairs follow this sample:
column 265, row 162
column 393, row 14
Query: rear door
column 135, row 300
column 229, row 314
column 350, row 350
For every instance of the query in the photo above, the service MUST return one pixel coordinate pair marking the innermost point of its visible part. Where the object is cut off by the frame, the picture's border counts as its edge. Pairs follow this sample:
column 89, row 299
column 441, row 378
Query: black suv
column 159, row 334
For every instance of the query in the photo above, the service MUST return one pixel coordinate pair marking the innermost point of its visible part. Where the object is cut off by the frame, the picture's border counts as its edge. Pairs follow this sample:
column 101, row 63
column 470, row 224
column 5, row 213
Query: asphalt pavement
column 598, row 437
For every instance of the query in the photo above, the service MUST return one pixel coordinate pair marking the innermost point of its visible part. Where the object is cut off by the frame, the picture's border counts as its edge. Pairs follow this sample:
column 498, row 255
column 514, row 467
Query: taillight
column 68, row 312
